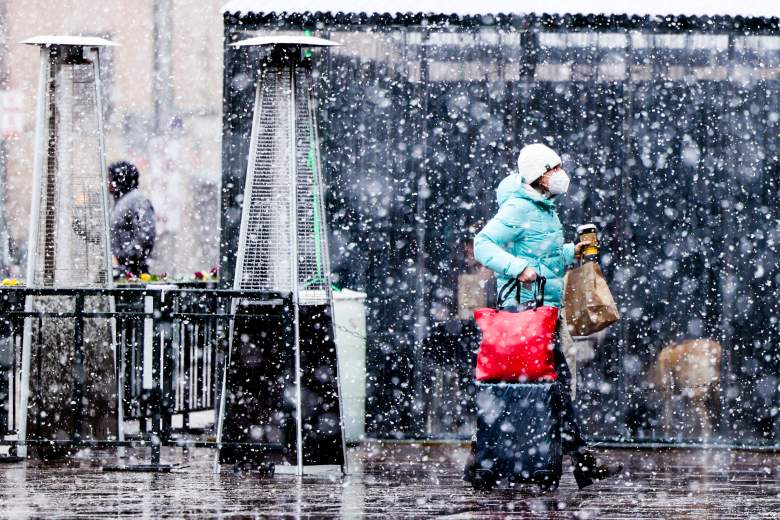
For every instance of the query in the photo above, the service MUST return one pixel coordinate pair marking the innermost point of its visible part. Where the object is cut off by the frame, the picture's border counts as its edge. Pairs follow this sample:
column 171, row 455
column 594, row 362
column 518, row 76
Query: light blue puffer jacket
column 525, row 231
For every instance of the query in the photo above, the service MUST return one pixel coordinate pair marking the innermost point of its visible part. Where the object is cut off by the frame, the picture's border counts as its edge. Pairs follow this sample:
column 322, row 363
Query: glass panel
column 671, row 142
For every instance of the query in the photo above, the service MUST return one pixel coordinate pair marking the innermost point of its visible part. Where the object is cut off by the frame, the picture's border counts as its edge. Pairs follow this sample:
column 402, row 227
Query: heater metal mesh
column 266, row 249
column 71, row 233
column 311, row 230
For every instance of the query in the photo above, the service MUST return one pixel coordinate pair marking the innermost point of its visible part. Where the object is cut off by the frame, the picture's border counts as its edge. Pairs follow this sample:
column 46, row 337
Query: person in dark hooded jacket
column 132, row 220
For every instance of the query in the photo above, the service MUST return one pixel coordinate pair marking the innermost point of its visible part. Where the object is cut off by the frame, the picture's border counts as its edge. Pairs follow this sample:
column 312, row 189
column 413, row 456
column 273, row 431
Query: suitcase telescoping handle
column 514, row 284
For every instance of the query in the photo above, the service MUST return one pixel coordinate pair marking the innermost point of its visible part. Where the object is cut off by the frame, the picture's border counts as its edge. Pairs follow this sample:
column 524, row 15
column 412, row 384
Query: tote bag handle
column 514, row 284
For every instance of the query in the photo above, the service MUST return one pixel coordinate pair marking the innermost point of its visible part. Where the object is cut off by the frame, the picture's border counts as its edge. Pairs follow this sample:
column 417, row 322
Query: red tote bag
column 517, row 346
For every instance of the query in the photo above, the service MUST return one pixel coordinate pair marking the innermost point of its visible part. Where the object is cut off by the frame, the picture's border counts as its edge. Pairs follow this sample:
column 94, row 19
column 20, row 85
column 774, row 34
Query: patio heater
column 69, row 387
column 281, row 402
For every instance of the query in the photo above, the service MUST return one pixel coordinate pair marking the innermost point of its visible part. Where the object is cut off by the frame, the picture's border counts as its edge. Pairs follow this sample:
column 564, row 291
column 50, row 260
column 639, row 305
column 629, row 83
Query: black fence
column 195, row 338
column 669, row 128
column 170, row 345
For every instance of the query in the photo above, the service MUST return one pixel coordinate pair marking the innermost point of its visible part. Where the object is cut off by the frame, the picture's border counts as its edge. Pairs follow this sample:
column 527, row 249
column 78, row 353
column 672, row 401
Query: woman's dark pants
column 570, row 429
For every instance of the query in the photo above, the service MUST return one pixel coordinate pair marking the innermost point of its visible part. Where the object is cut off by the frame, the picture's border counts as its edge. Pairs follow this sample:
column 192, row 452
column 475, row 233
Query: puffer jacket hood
column 513, row 186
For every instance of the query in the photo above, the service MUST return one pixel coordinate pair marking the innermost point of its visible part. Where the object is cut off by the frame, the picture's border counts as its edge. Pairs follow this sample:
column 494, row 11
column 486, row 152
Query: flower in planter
column 145, row 277
column 212, row 275
column 8, row 282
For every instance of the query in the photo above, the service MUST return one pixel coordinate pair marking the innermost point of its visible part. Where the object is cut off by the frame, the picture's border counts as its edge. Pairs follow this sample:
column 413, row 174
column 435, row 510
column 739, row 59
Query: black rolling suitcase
column 518, row 435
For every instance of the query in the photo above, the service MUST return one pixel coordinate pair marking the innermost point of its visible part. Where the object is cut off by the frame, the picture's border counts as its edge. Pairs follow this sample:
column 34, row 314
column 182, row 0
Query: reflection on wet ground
column 394, row 481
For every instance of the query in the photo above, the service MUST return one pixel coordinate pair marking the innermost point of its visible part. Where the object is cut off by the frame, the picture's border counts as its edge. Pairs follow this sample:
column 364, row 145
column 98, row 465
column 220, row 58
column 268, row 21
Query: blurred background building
column 163, row 104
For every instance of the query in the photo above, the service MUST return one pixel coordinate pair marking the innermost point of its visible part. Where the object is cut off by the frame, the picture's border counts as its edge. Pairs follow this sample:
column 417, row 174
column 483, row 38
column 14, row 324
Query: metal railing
column 170, row 345
column 194, row 334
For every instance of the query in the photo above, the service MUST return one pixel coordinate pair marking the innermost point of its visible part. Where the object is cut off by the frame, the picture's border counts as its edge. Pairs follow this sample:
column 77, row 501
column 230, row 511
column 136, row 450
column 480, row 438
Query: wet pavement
column 398, row 480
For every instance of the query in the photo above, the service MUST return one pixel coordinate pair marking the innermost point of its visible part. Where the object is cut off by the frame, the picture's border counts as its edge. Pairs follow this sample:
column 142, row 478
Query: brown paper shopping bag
column 588, row 301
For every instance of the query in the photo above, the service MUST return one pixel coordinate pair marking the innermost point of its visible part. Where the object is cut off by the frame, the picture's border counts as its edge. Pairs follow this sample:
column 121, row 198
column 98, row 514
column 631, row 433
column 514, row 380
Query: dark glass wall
column 670, row 132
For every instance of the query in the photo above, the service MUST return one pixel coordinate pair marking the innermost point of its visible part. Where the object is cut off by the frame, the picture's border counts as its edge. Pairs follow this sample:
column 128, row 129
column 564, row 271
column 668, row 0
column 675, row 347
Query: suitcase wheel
column 547, row 480
column 484, row 480
column 469, row 471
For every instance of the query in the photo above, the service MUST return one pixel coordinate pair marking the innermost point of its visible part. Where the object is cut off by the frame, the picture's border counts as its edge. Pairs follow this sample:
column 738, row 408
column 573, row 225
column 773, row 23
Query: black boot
column 587, row 469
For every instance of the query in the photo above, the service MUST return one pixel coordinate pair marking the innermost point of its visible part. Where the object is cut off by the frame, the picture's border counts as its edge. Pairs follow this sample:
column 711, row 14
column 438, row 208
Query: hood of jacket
column 513, row 187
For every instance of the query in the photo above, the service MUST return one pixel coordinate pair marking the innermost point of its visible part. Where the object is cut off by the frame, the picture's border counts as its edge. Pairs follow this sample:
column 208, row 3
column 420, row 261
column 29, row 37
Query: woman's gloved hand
column 527, row 276
column 578, row 249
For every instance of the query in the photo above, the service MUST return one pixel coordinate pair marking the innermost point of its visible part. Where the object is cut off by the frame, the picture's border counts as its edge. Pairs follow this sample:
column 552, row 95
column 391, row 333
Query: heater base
column 143, row 468
column 259, row 425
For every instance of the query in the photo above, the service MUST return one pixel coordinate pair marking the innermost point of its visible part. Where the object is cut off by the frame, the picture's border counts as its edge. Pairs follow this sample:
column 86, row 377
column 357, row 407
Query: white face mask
column 558, row 182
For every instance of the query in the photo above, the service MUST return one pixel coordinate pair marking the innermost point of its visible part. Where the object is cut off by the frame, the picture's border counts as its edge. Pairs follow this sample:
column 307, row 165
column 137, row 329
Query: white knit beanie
column 534, row 160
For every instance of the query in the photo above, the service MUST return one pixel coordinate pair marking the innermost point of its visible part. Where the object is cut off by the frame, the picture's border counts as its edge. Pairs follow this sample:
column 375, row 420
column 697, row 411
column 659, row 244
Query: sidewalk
column 397, row 480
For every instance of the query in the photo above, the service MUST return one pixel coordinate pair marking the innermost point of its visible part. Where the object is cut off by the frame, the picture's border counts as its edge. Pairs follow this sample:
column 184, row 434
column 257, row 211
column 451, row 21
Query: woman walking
column 524, row 240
